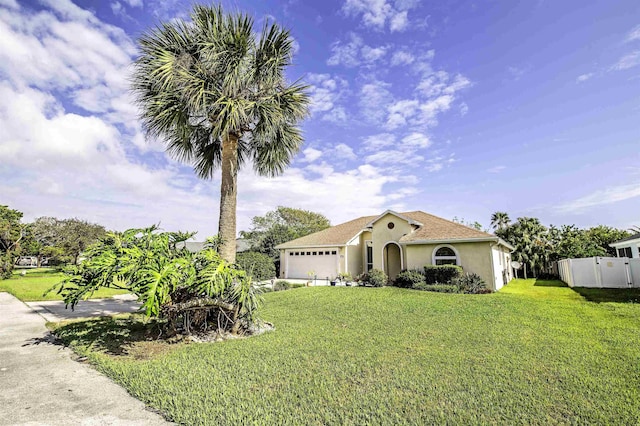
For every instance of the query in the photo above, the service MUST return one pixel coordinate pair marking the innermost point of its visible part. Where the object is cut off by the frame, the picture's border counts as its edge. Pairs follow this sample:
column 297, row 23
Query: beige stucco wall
column 354, row 260
column 381, row 235
column 474, row 257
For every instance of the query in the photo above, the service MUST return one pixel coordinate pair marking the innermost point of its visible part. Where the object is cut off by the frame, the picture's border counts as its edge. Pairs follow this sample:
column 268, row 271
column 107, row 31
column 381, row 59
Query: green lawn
column 31, row 287
column 534, row 353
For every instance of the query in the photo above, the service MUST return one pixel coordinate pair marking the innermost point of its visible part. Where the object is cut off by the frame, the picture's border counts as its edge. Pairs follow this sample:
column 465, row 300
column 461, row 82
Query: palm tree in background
column 216, row 94
column 500, row 220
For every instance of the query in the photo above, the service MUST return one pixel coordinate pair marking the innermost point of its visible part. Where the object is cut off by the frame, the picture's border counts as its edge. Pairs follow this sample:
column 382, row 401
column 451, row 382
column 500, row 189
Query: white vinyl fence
column 601, row 272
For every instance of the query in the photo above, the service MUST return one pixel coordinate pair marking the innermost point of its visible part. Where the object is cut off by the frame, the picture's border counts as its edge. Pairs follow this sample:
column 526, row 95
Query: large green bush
column 374, row 278
column 258, row 266
column 442, row 274
column 194, row 291
column 407, row 279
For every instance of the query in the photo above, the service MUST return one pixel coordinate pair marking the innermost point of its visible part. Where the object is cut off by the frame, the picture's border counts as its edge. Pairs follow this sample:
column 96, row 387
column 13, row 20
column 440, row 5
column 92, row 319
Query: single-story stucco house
column 393, row 242
column 628, row 247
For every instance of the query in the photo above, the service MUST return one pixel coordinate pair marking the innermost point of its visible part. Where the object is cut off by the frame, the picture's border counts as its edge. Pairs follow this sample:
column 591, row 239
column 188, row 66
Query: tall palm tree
column 216, row 94
column 500, row 220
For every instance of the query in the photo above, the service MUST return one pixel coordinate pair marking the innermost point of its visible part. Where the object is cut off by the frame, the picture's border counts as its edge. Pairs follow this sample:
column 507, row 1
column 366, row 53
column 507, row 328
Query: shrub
column 281, row 285
column 374, row 277
column 471, row 284
column 407, row 279
column 442, row 274
column 440, row 288
column 258, row 266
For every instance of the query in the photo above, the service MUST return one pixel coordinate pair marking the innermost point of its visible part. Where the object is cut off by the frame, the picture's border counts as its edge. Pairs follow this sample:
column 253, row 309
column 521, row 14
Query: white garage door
column 324, row 263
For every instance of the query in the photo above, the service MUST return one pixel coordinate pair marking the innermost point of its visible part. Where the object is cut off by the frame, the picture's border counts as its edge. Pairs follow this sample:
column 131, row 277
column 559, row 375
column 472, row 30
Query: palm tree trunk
column 228, row 196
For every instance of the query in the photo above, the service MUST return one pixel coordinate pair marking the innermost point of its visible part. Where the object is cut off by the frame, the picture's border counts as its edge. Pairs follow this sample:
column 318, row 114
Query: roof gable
column 398, row 215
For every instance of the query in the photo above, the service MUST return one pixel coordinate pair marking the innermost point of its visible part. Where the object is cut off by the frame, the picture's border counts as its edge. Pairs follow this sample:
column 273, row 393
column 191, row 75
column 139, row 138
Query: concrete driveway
column 40, row 383
column 55, row 311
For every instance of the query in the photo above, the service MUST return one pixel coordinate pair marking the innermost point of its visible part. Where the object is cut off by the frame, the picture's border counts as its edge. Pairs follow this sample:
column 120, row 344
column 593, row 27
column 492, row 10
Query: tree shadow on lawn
column 604, row 295
column 113, row 336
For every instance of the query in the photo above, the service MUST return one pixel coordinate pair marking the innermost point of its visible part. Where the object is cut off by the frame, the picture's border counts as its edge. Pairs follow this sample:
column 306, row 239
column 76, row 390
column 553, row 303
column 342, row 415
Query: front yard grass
column 533, row 353
column 31, row 287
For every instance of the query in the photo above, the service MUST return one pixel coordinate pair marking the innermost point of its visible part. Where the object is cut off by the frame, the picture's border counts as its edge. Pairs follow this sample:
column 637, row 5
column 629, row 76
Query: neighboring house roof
column 430, row 228
column 192, row 246
column 625, row 240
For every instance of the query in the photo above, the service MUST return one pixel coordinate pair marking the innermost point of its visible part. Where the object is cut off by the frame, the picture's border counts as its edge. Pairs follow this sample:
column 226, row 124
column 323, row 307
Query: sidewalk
column 41, row 385
column 54, row 310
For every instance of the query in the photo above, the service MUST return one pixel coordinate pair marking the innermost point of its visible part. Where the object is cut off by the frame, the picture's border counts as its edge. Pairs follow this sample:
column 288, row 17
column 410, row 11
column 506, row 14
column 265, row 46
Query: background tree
column 216, row 93
column 11, row 232
column 61, row 240
column 531, row 241
column 500, row 220
column 282, row 225
column 75, row 235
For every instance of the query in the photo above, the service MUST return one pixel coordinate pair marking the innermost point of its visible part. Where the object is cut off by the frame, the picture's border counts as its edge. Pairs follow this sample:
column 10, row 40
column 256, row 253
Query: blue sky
column 456, row 108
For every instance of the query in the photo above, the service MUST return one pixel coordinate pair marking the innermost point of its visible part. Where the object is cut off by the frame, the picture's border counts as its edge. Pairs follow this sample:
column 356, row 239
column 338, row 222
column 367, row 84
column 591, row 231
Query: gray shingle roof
column 633, row 237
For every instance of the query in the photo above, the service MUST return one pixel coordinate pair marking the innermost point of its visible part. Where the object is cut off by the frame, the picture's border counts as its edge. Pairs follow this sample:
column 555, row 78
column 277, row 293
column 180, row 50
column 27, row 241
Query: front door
column 392, row 260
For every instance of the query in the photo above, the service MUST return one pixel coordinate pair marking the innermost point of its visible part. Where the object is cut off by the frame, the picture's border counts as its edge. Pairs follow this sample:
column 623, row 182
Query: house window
column 308, row 253
column 290, row 253
column 391, row 225
column 297, row 253
column 334, row 252
column 320, row 253
column 315, row 253
column 369, row 259
column 627, row 252
column 445, row 255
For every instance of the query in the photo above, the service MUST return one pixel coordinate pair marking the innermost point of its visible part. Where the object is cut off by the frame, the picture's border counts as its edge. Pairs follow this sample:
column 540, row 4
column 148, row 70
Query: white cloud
column 496, row 169
column 376, row 142
column 584, row 77
column 343, row 151
column 628, row 61
column 605, row 196
column 325, row 91
column 374, row 100
column 416, row 140
column 437, row 92
column 336, row 115
column 341, row 196
column 394, row 156
column 464, row 109
column 311, row 155
column 400, row 112
column 399, row 21
column 372, row 54
column 347, row 53
column 634, row 34
column 402, row 57
column 353, row 52
column 134, row 3
column 378, row 14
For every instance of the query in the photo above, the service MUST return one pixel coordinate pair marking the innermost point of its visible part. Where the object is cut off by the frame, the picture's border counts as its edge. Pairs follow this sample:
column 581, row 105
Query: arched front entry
column 392, row 257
